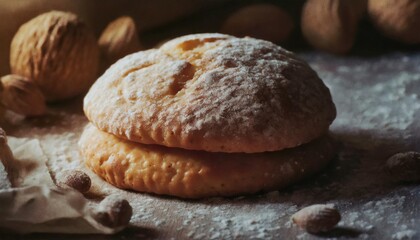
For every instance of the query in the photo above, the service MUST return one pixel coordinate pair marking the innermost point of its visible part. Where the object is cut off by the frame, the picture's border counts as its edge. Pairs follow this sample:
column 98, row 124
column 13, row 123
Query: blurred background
column 285, row 22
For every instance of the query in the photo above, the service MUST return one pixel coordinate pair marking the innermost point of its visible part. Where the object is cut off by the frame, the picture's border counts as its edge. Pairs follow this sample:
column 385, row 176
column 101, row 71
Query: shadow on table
column 129, row 233
column 340, row 232
column 356, row 173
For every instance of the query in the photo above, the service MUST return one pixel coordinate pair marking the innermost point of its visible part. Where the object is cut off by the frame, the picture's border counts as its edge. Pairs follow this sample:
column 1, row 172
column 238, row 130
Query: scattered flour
column 404, row 235
column 377, row 106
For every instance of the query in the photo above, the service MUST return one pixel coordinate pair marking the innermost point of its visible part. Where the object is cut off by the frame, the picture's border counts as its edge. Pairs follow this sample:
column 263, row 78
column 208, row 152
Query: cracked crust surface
column 212, row 92
column 197, row 174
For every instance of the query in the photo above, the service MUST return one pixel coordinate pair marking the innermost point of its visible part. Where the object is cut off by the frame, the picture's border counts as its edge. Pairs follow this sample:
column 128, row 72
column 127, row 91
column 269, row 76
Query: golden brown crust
column 196, row 174
column 212, row 92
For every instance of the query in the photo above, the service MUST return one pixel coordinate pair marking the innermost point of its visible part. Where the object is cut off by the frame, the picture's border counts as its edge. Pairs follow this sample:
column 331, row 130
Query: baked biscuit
column 212, row 92
column 196, row 174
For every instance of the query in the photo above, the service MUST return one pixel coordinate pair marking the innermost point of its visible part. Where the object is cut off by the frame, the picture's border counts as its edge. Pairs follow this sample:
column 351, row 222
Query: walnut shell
column 119, row 39
column 397, row 19
column 263, row 21
column 22, row 96
column 58, row 52
column 317, row 218
column 331, row 25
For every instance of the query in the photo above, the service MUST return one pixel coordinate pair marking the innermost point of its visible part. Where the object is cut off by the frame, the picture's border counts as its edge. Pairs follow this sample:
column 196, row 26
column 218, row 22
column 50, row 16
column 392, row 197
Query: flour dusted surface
column 378, row 108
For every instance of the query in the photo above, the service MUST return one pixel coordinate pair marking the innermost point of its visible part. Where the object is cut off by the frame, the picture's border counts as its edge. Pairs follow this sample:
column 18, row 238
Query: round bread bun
column 197, row 174
column 212, row 92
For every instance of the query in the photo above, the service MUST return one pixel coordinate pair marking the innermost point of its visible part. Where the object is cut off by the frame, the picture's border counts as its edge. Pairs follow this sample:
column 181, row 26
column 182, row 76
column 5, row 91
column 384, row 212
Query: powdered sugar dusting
column 215, row 93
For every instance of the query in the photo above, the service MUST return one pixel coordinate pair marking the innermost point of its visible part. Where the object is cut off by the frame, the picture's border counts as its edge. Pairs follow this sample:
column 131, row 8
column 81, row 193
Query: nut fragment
column 264, row 21
column 22, row 96
column 317, row 218
column 57, row 51
column 76, row 179
column 6, row 158
column 404, row 167
column 331, row 25
column 113, row 211
column 397, row 19
column 119, row 39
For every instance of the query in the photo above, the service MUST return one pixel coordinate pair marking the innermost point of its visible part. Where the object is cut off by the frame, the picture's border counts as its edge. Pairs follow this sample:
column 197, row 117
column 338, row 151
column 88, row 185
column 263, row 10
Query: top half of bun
column 212, row 92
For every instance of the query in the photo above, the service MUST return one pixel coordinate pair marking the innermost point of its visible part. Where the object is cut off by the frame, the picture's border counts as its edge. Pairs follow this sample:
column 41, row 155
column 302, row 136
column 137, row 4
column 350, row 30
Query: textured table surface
column 378, row 107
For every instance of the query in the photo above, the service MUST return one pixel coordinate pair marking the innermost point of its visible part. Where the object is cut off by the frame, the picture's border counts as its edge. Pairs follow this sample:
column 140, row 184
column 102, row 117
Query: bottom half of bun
column 197, row 174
